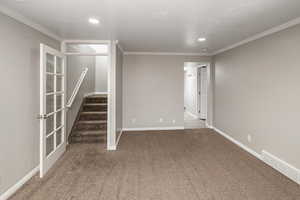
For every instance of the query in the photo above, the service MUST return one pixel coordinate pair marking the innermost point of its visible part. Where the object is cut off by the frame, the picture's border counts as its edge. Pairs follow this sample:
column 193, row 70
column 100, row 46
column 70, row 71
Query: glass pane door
column 54, row 102
column 52, row 107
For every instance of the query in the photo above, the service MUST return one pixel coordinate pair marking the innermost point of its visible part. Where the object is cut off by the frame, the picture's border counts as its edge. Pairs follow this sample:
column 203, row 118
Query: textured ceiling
column 159, row 25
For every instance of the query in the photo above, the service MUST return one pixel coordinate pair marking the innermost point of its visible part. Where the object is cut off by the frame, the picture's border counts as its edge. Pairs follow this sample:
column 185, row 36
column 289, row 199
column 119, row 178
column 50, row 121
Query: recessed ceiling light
column 201, row 39
column 93, row 20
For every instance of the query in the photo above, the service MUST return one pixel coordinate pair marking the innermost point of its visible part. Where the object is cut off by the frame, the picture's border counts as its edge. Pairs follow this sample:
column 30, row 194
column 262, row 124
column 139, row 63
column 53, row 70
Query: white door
column 52, row 107
column 203, row 93
column 199, row 92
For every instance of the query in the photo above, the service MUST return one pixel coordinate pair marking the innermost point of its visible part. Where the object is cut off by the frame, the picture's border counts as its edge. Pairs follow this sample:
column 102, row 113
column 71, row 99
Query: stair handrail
column 77, row 87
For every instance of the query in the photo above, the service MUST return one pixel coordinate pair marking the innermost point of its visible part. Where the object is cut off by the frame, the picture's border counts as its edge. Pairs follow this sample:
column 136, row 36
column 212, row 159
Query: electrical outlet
column 249, row 138
column 133, row 120
column 174, row 121
column 161, row 120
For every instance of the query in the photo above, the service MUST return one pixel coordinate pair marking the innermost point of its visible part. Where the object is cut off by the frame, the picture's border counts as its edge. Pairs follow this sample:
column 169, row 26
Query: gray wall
column 19, row 104
column 153, row 89
column 119, row 91
column 75, row 66
column 191, row 90
column 257, row 92
column 101, row 73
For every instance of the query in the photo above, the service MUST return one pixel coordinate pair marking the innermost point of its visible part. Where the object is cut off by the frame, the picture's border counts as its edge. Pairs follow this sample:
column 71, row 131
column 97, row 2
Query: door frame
column 199, row 87
column 110, row 145
column 210, row 96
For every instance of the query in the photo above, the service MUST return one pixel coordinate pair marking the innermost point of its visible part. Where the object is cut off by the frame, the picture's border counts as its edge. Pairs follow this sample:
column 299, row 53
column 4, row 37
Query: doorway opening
column 87, row 88
column 195, row 95
column 67, row 79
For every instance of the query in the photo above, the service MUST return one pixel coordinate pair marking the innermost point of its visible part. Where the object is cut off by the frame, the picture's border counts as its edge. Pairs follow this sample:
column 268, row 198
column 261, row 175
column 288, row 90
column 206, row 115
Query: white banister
column 77, row 87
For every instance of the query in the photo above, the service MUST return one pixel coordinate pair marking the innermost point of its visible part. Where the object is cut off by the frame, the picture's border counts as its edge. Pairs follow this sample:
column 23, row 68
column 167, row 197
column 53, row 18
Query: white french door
column 52, row 107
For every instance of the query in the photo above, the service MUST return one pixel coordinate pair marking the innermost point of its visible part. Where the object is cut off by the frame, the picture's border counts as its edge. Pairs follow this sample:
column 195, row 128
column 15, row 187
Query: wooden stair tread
column 96, row 96
column 88, row 140
column 95, row 104
column 92, row 121
column 90, row 125
column 93, row 112
column 100, row 132
column 89, row 133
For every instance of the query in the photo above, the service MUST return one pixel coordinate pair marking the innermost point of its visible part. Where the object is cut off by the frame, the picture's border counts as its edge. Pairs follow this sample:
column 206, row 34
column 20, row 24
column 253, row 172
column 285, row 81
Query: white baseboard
column 112, row 148
column 208, row 126
column 280, row 165
column 238, row 143
column 154, row 128
column 19, row 184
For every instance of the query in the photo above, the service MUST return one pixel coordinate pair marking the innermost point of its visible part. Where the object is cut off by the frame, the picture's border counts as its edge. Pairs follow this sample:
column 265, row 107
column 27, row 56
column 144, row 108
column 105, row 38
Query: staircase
column 91, row 123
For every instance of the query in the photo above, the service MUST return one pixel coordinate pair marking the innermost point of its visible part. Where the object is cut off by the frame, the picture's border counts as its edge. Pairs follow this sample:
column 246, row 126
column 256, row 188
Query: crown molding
column 260, row 35
column 49, row 33
column 28, row 22
column 164, row 53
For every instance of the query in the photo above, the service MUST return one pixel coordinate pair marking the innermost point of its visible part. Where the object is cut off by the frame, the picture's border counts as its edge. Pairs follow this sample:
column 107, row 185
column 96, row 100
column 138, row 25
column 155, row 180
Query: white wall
column 75, row 66
column 257, row 92
column 19, row 102
column 101, row 73
column 191, row 90
column 153, row 89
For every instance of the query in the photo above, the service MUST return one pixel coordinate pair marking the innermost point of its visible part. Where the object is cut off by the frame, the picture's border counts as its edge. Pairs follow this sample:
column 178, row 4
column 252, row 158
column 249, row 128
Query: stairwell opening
column 90, row 125
column 87, row 118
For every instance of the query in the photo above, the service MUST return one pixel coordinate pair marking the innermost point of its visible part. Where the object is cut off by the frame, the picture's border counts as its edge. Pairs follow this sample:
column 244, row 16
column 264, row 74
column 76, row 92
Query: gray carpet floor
column 161, row 165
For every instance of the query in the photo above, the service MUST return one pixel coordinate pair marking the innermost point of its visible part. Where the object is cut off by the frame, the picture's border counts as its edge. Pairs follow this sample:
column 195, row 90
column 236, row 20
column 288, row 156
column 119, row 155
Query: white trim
column 111, row 140
column 28, row 22
column 154, row 128
column 87, row 41
column 85, row 54
column 260, row 35
column 64, row 42
column 111, row 147
column 19, row 184
column 257, row 155
column 165, row 53
column 208, row 126
column 280, row 165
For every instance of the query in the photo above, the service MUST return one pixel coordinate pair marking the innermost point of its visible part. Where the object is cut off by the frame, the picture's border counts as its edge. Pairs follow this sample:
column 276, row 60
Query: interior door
column 199, row 91
column 203, row 93
column 52, row 107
